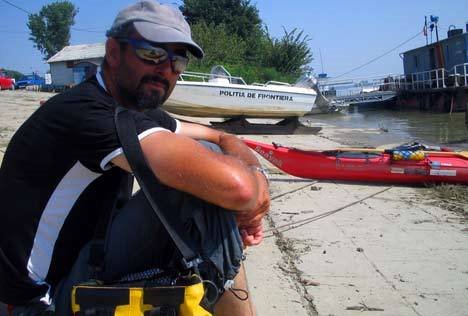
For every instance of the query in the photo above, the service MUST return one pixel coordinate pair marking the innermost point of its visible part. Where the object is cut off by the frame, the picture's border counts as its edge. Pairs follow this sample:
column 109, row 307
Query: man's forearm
column 233, row 146
column 230, row 144
column 250, row 223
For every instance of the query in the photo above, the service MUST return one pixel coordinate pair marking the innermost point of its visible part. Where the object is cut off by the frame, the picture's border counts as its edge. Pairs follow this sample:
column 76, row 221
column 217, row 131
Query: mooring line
column 305, row 221
column 292, row 191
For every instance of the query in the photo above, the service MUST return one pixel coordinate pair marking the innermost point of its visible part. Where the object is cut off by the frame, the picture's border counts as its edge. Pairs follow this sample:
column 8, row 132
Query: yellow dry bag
column 121, row 300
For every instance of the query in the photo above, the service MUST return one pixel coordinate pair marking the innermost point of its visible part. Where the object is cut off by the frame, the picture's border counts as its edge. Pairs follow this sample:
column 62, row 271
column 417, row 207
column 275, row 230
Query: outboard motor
column 325, row 105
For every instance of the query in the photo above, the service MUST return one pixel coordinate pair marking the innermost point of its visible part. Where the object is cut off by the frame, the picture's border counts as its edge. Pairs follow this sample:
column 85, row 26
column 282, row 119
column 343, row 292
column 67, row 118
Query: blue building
column 445, row 53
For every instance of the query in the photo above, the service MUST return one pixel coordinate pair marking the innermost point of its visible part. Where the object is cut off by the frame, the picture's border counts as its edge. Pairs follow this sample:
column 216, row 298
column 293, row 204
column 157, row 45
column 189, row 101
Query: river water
column 384, row 127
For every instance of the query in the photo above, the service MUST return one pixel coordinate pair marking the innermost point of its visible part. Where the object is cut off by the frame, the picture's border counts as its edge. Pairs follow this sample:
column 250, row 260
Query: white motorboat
column 219, row 94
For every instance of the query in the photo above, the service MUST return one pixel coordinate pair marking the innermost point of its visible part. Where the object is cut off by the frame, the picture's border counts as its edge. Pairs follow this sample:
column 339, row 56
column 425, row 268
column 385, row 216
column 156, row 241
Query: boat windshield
column 218, row 73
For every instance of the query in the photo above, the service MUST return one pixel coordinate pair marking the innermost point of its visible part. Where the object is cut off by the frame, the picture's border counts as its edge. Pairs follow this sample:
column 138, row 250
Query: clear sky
column 347, row 33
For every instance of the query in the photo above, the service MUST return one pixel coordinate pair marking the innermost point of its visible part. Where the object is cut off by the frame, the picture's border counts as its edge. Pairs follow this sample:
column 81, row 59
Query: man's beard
column 149, row 100
column 142, row 100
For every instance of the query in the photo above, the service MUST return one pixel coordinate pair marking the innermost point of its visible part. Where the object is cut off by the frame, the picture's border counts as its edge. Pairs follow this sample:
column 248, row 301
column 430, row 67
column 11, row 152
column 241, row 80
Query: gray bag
column 208, row 240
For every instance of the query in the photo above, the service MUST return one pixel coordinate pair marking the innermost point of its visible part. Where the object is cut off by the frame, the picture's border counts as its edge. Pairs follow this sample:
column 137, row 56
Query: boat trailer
column 240, row 126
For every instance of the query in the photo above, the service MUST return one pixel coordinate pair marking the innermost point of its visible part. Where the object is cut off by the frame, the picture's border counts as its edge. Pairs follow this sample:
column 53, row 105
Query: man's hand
column 251, row 236
column 249, row 217
column 250, row 222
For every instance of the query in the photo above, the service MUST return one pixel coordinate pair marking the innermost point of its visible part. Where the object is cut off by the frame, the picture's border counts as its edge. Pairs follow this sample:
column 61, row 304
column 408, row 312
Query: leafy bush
column 290, row 53
column 219, row 45
column 239, row 16
column 259, row 74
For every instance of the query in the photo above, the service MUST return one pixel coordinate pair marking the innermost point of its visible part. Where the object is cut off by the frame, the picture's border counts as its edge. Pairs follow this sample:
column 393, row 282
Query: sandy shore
column 394, row 250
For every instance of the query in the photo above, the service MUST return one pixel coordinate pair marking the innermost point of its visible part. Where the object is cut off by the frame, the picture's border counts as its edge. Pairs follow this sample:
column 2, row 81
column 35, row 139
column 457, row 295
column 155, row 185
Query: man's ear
column 113, row 52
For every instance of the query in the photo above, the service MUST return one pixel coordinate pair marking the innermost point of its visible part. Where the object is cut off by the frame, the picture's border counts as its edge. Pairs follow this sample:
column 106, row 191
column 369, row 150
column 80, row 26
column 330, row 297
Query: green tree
column 50, row 28
column 231, row 33
column 291, row 54
column 240, row 17
column 13, row 74
column 219, row 45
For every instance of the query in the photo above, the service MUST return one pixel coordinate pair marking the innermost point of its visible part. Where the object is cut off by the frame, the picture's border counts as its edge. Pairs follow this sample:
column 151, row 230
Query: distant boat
column 219, row 94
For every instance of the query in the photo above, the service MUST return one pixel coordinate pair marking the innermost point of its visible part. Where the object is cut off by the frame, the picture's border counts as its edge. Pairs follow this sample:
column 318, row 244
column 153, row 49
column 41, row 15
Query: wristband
column 262, row 171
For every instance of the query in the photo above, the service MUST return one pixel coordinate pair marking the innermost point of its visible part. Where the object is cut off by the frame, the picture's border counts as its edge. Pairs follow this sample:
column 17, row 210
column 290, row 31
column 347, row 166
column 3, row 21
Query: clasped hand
column 251, row 222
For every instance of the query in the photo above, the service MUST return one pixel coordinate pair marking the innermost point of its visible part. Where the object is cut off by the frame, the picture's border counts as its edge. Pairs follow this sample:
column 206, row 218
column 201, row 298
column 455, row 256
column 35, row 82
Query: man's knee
column 211, row 146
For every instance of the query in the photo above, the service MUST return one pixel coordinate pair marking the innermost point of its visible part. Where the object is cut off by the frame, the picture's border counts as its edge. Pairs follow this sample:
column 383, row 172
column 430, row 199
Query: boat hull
column 206, row 99
column 436, row 167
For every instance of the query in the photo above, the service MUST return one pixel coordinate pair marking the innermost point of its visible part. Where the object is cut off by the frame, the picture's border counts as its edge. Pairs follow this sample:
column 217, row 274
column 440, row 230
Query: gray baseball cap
column 157, row 23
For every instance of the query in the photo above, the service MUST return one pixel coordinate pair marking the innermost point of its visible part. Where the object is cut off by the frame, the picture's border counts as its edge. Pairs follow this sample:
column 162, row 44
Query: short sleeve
column 97, row 138
column 164, row 119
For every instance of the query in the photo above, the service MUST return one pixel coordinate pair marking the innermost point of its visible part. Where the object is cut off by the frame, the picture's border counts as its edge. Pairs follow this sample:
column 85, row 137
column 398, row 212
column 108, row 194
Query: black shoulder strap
column 127, row 133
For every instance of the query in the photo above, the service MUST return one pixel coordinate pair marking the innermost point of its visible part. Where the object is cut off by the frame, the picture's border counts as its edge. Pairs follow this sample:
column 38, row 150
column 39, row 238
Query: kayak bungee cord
column 305, row 221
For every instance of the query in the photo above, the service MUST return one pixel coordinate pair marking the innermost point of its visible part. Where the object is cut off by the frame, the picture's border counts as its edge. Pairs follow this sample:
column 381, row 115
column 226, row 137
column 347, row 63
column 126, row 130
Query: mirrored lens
column 157, row 55
column 179, row 63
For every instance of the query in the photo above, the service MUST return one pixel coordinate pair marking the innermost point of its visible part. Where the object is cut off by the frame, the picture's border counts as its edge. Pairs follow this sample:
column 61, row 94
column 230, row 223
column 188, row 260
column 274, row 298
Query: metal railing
column 439, row 78
column 461, row 70
column 205, row 77
column 357, row 86
column 271, row 83
column 199, row 76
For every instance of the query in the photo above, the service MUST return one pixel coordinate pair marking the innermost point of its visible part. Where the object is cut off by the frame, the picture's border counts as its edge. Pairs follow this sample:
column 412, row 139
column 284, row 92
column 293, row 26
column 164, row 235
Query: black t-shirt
column 55, row 182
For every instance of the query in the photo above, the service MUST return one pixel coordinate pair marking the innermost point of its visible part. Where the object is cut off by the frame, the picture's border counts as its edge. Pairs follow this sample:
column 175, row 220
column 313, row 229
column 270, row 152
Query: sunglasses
column 157, row 54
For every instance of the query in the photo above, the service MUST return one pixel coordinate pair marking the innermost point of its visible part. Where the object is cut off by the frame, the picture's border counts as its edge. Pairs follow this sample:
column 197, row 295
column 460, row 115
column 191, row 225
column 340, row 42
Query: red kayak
column 404, row 164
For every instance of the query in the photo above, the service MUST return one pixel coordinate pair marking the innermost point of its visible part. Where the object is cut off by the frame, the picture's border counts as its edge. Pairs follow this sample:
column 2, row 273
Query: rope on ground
column 292, row 191
column 305, row 221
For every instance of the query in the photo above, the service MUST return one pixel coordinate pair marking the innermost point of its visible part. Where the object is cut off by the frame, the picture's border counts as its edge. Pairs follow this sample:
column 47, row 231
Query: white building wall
column 61, row 74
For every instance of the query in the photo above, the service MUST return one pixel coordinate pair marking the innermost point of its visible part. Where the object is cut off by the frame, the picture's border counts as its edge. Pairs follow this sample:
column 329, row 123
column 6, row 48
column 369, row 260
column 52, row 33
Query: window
column 415, row 57
column 83, row 71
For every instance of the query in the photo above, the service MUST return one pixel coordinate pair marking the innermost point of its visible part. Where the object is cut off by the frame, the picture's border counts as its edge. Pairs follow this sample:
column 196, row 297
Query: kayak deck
column 367, row 165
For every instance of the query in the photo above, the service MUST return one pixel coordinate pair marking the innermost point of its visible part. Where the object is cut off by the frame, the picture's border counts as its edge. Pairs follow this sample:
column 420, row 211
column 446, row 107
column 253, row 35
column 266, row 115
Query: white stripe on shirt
column 60, row 203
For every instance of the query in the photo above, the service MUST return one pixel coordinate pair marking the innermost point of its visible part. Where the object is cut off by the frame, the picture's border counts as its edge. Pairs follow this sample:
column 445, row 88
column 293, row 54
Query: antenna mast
column 321, row 61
